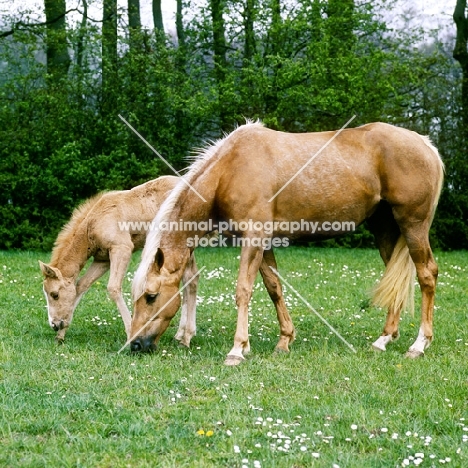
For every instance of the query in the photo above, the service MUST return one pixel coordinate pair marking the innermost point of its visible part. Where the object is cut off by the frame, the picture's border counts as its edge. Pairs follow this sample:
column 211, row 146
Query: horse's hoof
column 378, row 348
column 281, row 350
column 414, row 354
column 59, row 339
column 232, row 360
column 183, row 345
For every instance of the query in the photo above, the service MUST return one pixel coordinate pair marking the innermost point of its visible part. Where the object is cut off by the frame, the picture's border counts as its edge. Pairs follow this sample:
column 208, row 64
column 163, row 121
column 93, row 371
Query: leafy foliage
column 308, row 66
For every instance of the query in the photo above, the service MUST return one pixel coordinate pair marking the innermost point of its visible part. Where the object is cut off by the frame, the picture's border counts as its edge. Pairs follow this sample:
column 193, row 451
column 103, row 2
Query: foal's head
column 60, row 295
column 155, row 304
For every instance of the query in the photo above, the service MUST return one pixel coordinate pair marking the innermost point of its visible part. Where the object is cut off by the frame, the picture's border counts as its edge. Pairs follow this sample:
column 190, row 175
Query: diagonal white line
column 312, row 158
column 160, row 156
column 350, row 346
column 160, row 310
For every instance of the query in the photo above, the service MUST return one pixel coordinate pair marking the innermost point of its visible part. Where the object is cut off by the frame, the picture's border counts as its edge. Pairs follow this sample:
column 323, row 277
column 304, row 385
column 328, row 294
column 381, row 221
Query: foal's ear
column 48, row 271
column 159, row 259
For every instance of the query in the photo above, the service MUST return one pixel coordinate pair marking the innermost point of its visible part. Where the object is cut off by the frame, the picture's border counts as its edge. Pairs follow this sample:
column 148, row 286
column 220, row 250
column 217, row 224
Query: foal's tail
column 396, row 288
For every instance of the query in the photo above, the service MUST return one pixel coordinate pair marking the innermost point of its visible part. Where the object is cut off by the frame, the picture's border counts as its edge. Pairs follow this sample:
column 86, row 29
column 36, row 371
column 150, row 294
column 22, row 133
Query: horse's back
column 269, row 174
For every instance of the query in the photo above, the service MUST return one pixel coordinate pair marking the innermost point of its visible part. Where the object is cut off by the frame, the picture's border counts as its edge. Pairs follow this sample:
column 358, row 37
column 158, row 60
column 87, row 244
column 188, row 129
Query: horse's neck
column 193, row 210
column 72, row 255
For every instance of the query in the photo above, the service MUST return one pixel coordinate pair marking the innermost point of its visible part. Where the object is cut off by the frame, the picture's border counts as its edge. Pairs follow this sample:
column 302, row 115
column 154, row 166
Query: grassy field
column 82, row 404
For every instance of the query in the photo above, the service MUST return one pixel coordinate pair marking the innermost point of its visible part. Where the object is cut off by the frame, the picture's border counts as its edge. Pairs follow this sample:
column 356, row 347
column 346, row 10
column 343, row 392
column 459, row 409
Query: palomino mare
column 102, row 228
column 387, row 175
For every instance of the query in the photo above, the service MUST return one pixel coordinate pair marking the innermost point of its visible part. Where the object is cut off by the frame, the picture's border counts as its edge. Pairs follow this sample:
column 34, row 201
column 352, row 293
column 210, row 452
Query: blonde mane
column 65, row 237
column 201, row 158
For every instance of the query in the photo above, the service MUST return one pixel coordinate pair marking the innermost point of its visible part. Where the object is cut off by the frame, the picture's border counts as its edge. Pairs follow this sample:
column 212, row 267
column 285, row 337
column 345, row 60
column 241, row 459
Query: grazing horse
column 109, row 227
column 264, row 180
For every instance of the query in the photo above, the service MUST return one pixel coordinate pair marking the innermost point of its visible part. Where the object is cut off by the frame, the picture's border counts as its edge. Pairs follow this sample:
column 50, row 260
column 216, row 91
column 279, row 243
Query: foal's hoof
column 183, row 345
column 414, row 354
column 232, row 360
column 281, row 350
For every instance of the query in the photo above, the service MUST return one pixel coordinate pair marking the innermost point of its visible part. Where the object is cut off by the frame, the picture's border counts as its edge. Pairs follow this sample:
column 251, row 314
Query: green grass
column 81, row 404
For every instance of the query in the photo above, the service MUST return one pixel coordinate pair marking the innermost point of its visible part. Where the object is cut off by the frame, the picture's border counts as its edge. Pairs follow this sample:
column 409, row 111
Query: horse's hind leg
column 427, row 271
column 383, row 226
column 120, row 256
column 273, row 286
column 187, row 325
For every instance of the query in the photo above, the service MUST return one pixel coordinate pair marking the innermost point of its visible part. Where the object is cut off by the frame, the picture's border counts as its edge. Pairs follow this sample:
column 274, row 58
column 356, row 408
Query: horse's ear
column 48, row 271
column 159, row 259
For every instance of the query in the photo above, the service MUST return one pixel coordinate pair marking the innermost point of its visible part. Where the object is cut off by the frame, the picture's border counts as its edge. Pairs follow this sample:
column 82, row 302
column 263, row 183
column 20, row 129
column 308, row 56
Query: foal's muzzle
column 143, row 345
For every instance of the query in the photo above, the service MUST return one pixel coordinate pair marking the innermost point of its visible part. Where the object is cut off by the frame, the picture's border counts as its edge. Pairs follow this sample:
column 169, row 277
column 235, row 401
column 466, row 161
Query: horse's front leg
column 275, row 291
column 187, row 326
column 251, row 258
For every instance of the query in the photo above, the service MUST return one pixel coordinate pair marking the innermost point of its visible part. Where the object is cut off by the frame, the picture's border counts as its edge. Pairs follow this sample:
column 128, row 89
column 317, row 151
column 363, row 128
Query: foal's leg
column 273, row 286
column 120, row 256
column 187, row 326
column 93, row 273
column 251, row 258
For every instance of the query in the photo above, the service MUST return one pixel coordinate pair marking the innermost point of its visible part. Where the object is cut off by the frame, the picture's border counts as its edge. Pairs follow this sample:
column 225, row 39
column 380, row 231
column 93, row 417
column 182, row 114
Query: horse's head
column 60, row 295
column 155, row 304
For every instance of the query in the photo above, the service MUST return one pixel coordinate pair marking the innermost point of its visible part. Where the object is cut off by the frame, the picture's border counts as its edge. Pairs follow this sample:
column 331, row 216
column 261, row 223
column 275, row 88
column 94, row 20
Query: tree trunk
column 273, row 48
column 180, row 25
column 220, row 60
column 134, row 23
column 157, row 16
column 58, row 59
column 109, row 56
column 249, row 18
column 460, row 53
column 81, row 37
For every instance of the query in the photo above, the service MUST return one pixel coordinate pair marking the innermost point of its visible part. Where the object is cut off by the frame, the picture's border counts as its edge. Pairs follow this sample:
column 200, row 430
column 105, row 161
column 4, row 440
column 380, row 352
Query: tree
column 460, row 53
column 180, row 25
column 219, row 55
column 109, row 56
column 157, row 16
column 58, row 58
column 249, row 18
column 134, row 23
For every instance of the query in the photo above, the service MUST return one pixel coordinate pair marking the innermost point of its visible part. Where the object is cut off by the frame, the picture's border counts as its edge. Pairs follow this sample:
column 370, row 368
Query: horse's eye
column 54, row 295
column 150, row 298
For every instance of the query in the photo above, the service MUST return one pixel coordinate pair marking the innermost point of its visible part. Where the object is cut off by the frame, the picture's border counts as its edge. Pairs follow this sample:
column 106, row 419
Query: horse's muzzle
column 143, row 345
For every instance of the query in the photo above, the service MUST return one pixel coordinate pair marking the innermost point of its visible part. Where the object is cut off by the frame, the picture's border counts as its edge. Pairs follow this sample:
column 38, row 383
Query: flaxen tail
column 396, row 288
